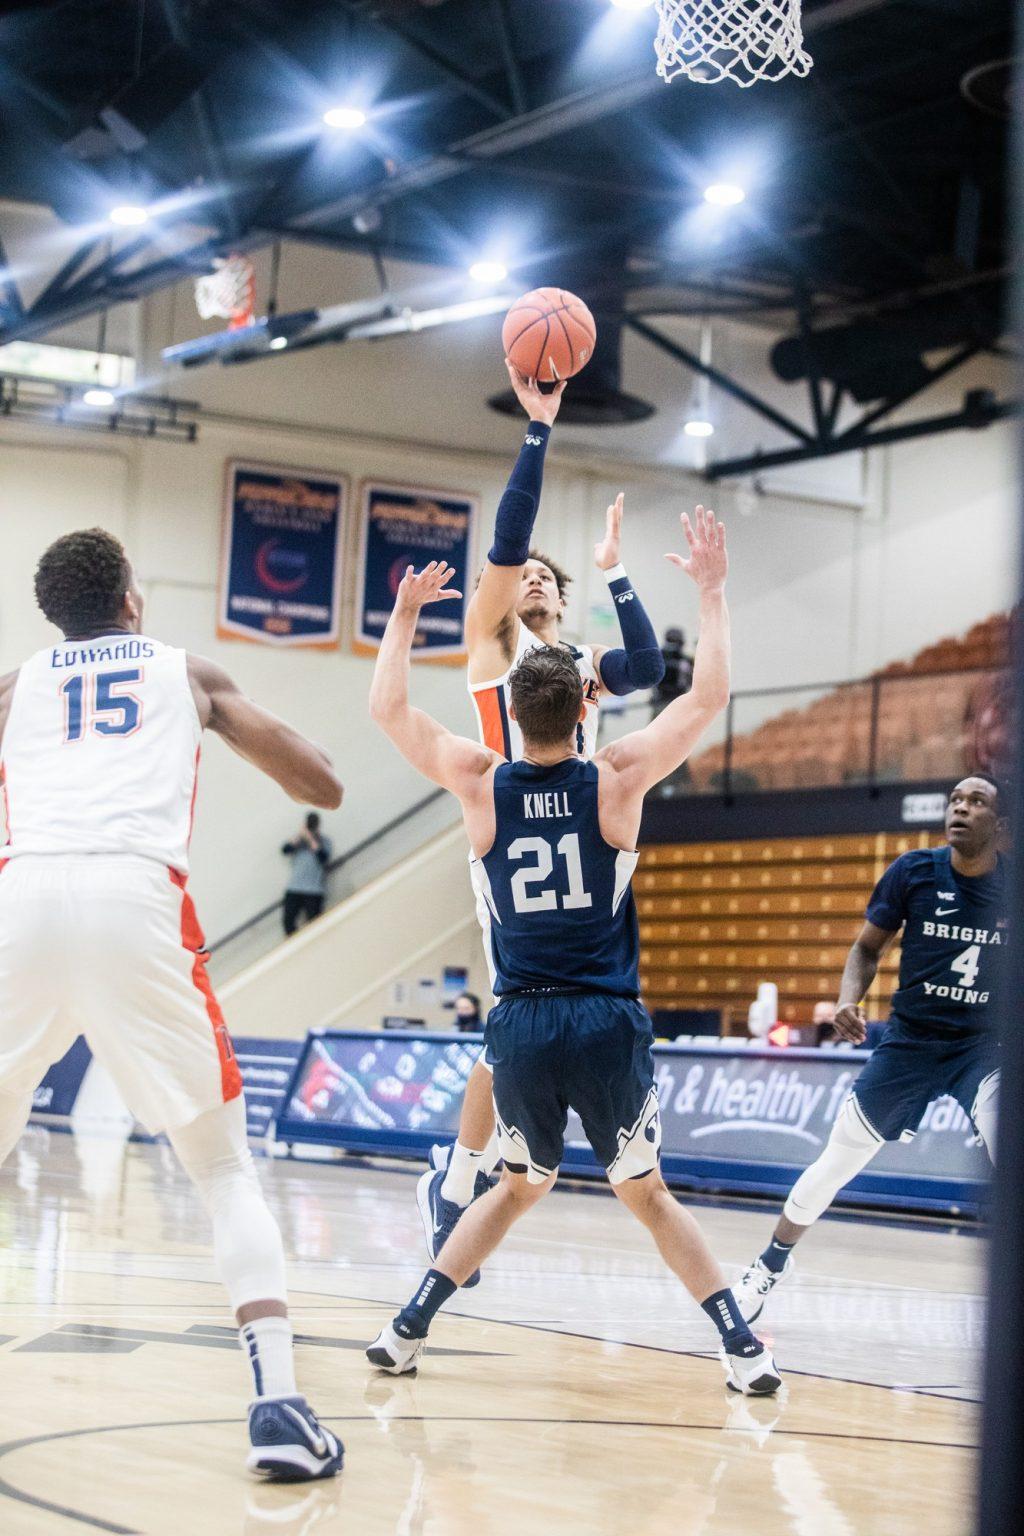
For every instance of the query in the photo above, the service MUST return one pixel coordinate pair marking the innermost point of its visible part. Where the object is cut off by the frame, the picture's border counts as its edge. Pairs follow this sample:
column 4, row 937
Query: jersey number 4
column 99, row 703
column 547, row 900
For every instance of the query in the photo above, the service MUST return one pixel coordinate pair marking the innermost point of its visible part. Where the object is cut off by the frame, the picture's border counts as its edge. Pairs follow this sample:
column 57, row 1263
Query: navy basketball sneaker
column 289, row 1444
column 441, row 1216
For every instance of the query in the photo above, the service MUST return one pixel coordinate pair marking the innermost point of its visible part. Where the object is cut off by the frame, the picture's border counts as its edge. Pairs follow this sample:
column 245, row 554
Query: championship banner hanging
column 406, row 525
column 280, row 578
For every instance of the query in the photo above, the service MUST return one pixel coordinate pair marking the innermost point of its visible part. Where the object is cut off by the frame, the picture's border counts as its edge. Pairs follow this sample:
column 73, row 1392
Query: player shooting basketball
column 100, row 737
column 553, row 838
column 517, row 606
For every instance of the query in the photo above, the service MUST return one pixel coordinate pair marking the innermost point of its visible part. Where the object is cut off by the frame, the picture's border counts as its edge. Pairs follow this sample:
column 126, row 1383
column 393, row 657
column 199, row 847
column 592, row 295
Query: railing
column 906, row 727
column 352, row 869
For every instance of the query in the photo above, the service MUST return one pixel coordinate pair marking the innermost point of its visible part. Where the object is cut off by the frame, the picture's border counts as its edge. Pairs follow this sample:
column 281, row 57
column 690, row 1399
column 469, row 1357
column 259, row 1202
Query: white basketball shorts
column 108, row 946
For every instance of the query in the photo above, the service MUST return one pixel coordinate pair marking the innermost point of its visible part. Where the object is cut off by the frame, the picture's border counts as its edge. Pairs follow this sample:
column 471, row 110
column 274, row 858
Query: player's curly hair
column 562, row 578
column 547, row 695
column 81, row 581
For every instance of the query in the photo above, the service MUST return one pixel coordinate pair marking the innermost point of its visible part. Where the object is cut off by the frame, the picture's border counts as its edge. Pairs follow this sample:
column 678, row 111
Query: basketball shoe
column 440, row 1216
column 390, row 1352
column 753, row 1375
column 289, row 1444
column 756, row 1285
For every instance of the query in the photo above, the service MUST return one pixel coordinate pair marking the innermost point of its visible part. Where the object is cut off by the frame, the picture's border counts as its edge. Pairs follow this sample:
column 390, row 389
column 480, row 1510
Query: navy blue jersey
column 954, row 937
column 554, row 898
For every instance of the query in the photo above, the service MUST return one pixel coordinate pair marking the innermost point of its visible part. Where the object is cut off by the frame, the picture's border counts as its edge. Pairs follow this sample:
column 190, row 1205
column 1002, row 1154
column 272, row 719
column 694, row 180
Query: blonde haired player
column 99, row 752
column 518, row 607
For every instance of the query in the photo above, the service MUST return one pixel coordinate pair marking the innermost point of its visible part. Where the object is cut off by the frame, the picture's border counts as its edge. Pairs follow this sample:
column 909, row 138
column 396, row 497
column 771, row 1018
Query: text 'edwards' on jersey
column 555, row 898
column 954, row 937
column 100, row 751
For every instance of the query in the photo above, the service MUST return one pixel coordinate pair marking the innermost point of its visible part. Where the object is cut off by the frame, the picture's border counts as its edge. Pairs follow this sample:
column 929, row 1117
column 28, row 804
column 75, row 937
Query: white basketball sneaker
column 756, row 1285
column 390, row 1352
column 753, row 1375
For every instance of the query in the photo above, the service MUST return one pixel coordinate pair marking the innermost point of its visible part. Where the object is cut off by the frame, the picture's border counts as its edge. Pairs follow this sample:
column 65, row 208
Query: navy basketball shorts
column 587, row 1051
column 912, row 1065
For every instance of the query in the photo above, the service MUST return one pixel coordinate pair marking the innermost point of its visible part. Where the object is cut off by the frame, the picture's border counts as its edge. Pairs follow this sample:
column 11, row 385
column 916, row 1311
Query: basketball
column 549, row 334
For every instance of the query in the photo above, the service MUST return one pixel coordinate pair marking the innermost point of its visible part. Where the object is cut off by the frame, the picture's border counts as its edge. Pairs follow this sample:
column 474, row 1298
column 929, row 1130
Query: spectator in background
column 678, row 680
column 678, row 677
column 310, row 853
column 823, row 1018
column 467, row 1013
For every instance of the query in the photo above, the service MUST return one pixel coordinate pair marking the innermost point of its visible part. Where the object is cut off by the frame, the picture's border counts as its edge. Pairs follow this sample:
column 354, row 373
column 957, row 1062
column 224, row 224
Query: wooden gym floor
column 575, row 1391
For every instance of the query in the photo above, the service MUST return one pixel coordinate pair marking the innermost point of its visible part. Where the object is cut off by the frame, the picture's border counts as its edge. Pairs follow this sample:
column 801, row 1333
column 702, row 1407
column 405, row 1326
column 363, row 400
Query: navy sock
column 729, row 1320
column 431, row 1294
column 775, row 1256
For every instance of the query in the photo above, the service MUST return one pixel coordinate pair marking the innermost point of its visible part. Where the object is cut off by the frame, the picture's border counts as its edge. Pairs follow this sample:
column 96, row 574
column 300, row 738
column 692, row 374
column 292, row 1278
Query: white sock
column 268, row 1344
column 463, row 1166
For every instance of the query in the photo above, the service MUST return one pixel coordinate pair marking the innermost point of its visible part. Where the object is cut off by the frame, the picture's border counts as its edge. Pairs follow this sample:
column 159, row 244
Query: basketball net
column 739, row 40
column 228, row 292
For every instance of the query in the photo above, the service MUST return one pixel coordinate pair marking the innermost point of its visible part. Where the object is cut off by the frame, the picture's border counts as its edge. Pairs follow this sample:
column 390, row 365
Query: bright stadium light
column 488, row 272
column 99, row 397
column 724, row 194
column 632, row 5
column 345, row 117
column 696, row 427
column 129, row 215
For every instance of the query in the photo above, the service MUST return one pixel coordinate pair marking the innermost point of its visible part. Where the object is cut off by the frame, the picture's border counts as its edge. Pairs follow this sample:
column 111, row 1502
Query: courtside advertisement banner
column 403, row 525
column 281, row 557
column 749, row 1119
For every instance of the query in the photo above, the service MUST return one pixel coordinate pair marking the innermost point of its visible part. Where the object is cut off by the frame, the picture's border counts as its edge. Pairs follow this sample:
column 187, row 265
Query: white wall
column 818, row 591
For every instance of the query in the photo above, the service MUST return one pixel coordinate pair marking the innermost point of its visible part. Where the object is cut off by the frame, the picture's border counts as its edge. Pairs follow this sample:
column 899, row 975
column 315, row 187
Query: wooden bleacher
column 718, row 918
column 924, row 731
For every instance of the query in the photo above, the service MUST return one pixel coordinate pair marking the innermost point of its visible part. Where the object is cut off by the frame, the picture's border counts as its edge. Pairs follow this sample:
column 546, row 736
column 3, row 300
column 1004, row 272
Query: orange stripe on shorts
column 193, row 940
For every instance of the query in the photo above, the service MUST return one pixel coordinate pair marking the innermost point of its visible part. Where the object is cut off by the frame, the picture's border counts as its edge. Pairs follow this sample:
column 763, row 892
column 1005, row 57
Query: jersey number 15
column 99, row 703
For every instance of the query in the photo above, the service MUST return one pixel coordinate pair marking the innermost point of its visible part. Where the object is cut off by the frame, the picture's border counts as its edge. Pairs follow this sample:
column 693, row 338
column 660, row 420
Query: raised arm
column 638, row 662
column 497, row 592
column 452, row 761
column 645, row 757
column 303, row 770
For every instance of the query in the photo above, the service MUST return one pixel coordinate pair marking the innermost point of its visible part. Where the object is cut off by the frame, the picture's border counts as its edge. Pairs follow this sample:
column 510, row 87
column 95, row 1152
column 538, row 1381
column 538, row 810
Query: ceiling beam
column 976, row 414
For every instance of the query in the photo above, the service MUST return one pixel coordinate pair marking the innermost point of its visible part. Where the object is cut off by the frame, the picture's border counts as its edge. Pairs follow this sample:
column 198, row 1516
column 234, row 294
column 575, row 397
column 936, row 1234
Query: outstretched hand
column 709, row 561
column 427, row 587
column 606, row 553
column 538, row 406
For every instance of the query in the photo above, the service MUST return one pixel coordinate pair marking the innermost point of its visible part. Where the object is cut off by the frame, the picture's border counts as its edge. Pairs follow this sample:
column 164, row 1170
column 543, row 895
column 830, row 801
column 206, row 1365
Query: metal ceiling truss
column 980, row 409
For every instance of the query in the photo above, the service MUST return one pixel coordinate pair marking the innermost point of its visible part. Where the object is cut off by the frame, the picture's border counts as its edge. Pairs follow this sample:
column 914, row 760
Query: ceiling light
column 724, row 194
column 488, row 272
column 129, row 214
column 697, row 428
column 278, row 343
column 102, row 397
column 632, row 5
column 345, row 117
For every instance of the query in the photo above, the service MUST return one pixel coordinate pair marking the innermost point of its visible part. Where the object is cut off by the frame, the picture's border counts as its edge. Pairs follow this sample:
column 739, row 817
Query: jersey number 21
column 568, row 848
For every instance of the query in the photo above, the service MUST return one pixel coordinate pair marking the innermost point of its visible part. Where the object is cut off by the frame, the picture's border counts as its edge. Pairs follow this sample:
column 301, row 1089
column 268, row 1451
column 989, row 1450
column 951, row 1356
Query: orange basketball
column 549, row 334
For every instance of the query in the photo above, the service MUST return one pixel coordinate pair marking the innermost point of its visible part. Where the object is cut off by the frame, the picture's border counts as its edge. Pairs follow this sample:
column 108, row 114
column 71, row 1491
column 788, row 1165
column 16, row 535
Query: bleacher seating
column 924, row 723
column 718, row 918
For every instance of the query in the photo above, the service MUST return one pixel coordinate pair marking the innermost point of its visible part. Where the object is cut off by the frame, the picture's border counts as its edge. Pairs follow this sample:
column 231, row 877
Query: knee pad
column 985, row 1112
column 247, row 1243
column 850, row 1148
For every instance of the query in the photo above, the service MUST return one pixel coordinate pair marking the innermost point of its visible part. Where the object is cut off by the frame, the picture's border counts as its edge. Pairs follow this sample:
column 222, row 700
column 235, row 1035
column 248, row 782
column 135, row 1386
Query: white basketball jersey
column 497, row 728
column 101, row 750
